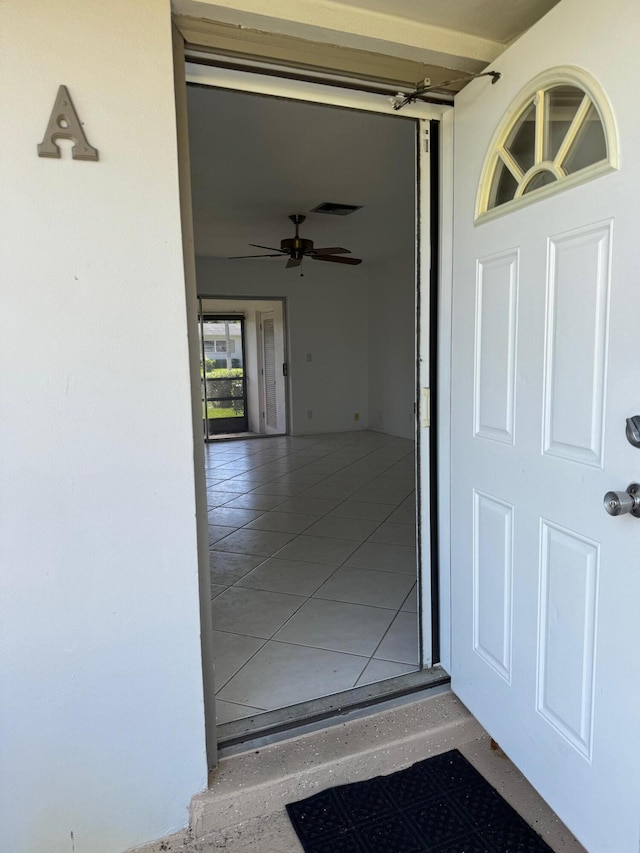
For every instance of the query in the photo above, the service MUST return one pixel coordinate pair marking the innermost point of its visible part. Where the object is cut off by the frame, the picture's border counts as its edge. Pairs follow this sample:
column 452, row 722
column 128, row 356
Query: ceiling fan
column 298, row 247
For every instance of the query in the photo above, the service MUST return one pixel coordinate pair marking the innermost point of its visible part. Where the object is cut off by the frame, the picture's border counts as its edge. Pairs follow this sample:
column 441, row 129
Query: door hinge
column 426, row 142
column 285, row 369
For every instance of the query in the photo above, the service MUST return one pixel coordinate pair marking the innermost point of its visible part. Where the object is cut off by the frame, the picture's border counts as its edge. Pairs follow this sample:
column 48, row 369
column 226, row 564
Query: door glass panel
column 590, row 145
column 521, row 143
column 561, row 108
column 541, row 179
column 557, row 128
column 504, row 186
column 223, row 381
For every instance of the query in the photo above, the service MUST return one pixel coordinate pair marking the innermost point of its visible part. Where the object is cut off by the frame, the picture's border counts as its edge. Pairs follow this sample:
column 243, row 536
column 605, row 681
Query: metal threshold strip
column 281, row 723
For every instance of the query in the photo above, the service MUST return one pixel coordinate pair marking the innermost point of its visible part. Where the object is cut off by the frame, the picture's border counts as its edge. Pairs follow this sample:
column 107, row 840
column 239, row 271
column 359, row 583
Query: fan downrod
column 296, row 247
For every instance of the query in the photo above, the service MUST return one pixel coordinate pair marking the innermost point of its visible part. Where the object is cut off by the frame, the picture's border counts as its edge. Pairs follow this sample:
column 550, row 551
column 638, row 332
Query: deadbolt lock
column 633, row 430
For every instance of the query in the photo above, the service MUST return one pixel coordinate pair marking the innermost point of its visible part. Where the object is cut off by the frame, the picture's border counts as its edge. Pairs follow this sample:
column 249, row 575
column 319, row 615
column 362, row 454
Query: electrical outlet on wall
column 379, row 417
column 309, row 414
column 356, row 416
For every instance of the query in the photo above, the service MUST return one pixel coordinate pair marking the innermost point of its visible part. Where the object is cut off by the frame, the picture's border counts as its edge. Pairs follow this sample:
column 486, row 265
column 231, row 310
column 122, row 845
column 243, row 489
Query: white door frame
column 281, row 378
column 443, row 401
column 292, row 89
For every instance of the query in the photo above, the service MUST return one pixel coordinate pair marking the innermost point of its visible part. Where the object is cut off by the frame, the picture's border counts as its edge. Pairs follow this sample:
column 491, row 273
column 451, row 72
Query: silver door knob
column 619, row 503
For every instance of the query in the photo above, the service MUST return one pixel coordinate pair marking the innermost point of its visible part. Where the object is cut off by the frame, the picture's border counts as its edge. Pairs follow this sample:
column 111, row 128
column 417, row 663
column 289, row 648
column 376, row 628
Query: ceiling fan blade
column 238, row 257
column 335, row 259
column 293, row 262
column 271, row 248
column 333, row 250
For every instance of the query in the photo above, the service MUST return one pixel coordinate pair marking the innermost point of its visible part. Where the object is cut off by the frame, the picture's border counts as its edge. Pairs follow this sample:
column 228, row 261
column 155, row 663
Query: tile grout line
column 358, row 543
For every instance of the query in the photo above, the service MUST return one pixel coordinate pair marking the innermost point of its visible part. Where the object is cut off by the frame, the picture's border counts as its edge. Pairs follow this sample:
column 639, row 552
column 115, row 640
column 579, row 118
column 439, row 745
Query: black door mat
column 442, row 805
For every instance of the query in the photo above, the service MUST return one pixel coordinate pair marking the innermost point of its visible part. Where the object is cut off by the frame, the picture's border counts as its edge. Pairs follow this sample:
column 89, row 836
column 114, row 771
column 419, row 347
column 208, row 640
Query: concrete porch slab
column 244, row 808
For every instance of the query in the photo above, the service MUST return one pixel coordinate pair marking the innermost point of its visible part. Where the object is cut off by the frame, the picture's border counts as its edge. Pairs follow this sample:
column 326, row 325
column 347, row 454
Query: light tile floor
column 313, row 566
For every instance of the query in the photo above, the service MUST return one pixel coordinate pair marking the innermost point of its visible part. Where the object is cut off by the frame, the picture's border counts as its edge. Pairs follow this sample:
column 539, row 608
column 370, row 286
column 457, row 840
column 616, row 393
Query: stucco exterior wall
column 102, row 732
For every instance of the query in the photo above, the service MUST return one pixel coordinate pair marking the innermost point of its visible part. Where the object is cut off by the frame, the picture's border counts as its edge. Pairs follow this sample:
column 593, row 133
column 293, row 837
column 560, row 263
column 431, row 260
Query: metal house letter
column 65, row 124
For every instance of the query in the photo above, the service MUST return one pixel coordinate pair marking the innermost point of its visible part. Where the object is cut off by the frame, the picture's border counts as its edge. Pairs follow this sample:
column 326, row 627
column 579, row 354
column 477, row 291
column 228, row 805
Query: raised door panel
column 569, row 564
column 495, row 346
column 493, row 581
column 576, row 340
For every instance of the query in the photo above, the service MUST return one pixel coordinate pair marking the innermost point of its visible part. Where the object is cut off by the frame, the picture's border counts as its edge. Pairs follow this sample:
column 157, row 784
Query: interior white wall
column 102, row 721
column 327, row 316
column 392, row 344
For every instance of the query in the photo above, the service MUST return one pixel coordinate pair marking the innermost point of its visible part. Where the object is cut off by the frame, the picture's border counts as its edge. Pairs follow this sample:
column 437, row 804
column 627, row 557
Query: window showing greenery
column 558, row 136
column 222, row 376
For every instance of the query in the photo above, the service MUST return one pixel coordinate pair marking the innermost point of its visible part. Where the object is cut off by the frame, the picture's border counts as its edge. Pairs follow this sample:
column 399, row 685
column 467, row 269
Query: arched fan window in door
column 559, row 132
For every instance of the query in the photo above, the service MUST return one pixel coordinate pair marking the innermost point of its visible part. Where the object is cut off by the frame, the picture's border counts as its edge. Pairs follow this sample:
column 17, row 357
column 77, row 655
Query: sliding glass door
column 222, row 375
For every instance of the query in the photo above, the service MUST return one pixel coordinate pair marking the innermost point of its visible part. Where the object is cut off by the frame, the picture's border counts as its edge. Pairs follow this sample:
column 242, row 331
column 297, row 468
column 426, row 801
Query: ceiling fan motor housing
column 296, row 247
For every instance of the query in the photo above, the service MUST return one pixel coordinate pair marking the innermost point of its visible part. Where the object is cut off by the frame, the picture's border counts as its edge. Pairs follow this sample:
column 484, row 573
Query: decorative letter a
column 65, row 124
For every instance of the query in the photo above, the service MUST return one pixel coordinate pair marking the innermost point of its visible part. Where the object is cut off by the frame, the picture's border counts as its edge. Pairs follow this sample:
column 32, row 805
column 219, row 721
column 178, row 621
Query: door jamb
column 200, row 486
column 443, row 400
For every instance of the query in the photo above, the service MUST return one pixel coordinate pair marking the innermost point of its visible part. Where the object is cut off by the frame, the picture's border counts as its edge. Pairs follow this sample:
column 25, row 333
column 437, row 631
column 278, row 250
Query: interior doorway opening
column 316, row 533
column 243, row 344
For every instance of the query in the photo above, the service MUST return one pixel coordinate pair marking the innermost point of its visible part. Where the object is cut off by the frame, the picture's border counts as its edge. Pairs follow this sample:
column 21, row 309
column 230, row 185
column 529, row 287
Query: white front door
column 546, row 313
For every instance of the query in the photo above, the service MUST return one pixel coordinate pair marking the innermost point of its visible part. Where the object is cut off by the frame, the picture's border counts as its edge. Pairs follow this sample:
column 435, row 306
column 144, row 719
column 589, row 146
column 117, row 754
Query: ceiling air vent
column 336, row 209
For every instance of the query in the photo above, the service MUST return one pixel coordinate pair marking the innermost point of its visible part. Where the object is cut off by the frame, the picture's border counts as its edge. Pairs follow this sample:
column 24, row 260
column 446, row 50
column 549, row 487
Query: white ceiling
column 255, row 160
column 496, row 20
column 449, row 34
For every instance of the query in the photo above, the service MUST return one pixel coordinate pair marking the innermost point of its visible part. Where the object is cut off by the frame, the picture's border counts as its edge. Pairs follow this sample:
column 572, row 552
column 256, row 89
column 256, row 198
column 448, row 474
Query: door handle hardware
column 619, row 503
